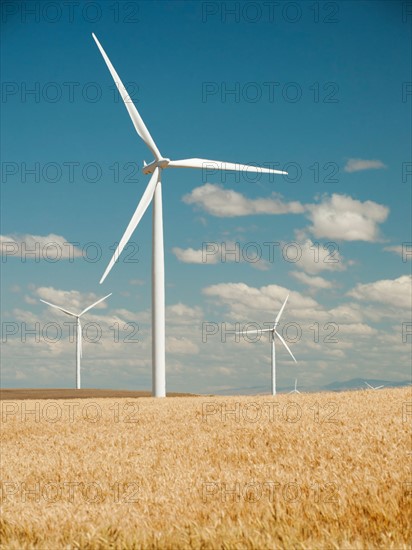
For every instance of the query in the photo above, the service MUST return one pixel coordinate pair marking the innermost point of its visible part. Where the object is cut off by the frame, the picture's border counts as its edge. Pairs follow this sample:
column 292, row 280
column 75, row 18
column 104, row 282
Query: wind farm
column 149, row 420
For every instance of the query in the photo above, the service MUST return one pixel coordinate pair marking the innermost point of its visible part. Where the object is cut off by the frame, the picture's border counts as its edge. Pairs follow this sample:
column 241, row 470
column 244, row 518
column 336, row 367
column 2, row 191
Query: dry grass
column 338, row 476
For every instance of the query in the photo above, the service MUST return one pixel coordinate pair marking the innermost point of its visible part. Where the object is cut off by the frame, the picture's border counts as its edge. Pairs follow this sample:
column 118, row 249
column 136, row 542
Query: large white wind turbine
column 78, row 332
column 273, row 332
column 154, row 192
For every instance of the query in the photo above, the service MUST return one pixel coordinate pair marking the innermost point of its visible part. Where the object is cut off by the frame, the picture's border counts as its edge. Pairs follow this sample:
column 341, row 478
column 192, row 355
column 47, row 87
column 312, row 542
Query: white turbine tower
column 295, row 390
column 273, row 332
column 374, row 387
column 78, row 332
column 154, row 192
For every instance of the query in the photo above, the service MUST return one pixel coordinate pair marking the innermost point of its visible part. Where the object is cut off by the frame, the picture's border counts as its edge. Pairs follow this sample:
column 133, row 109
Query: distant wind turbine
column 295, row 390
column 273, row 332
column 153, row 192
column 78, row 332
column 374, row 388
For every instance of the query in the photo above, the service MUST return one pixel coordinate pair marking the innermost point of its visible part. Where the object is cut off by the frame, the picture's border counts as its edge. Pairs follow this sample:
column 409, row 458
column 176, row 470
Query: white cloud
column 183, row 314
column 194, row 256
column 335, row 217
column 224, row 252
column 314, row 282
column 344, row 218
column 315, row 257
column 126, row 316
column 404, row 251
column 395, row 249
column 356, row 165
column 392, row 292
column 260, row 304
column 357, row 329
column 345, row 323
column 261, row 265
column 180, row 345
column 176, row 314
column 38, row 247
column 221, row 202
column 350, row 313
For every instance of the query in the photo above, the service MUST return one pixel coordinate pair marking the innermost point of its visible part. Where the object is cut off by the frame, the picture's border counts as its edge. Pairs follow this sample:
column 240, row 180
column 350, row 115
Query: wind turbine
column 153, row 192
column 295, row 390
column 273, row 332
column 78, row 332
column 374, row 388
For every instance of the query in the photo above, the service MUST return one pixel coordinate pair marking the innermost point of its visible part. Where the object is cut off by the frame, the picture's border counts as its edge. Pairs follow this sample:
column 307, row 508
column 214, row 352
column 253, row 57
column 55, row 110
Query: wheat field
column 299, row 471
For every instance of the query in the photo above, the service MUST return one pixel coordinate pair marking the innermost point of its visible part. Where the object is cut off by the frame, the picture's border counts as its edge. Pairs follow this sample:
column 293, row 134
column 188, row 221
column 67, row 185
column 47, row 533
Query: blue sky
column 323, row 89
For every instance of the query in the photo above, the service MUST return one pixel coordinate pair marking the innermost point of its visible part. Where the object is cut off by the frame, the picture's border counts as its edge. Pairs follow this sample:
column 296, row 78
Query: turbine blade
column 137, row 216
column 281, row 310
column 130, row 106
column 60, row 308
column 369, row 386
column 379, row 387
column 285, row 344
column 220, row 165
column 95, row 304
column 254, row 331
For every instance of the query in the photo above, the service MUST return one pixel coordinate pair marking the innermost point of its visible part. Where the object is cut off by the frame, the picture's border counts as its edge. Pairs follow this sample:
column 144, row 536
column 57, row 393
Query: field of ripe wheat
column 302, row 471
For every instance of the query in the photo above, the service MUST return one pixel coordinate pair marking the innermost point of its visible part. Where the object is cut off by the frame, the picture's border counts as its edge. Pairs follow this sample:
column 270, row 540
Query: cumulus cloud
column 247, row 302
column 358, row 329
column 344, row 218
column 404, row 250
column 350, row 313
column 176, row 314
column 315, row 257
column 244, row 303
column 38, row 247
column 180, row 345
column 393, row 292
column 221, row 202
column 224, row 252
column 183, row 314
column 314, row 282
column 194, row 256
column 334, row 217
column 356, row 165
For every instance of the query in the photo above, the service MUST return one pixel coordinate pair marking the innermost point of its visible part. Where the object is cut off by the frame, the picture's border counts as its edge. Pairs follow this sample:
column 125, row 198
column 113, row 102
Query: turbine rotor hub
column 150, row 168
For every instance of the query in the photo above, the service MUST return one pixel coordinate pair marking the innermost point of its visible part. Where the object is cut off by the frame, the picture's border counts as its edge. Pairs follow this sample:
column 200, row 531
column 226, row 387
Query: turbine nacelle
column 150, row 168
